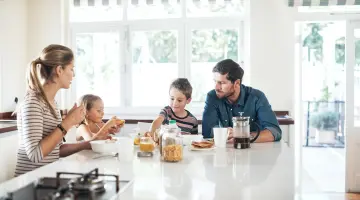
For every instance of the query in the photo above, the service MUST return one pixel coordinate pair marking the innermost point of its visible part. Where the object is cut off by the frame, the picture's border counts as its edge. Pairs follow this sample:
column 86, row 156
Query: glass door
column 352, row 107
column 321, row 57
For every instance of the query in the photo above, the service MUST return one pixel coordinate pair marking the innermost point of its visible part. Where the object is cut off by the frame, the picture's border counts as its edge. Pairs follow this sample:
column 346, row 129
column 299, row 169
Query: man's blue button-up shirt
column 252, row 102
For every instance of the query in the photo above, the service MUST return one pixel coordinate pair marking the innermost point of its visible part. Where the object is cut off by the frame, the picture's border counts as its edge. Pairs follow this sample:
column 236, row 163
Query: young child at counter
column 179, row 96
column 93, row 127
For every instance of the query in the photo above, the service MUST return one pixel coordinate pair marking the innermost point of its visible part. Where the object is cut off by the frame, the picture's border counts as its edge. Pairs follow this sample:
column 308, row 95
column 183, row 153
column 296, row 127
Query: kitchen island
column 266, row 171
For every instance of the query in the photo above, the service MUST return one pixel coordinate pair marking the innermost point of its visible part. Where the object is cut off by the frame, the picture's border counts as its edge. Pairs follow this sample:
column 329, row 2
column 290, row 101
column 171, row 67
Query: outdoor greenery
column 326, row 120
column 161, row 48
column 314, row 41
column 214, row 45
column 340, row 51
column 207, row 46
column 84, row 60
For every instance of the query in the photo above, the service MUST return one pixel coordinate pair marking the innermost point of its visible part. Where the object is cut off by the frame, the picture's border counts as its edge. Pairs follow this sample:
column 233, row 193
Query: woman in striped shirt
column 39, row 121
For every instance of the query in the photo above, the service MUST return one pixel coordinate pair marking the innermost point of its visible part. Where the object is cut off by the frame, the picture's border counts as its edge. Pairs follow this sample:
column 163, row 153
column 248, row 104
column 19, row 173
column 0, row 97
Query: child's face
column 178, row 100
column 96, row 113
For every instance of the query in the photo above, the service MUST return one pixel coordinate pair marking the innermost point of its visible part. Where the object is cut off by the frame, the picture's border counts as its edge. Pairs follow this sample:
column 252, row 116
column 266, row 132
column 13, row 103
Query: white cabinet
column 288, row 134
column 9, row 143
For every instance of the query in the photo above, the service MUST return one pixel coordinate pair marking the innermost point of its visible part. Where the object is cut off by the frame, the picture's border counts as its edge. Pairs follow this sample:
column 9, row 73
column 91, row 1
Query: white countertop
column 266, row 171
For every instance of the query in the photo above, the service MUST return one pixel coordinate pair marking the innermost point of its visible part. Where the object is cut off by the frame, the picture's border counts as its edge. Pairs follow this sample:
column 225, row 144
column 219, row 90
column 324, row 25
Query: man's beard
column 228, row 94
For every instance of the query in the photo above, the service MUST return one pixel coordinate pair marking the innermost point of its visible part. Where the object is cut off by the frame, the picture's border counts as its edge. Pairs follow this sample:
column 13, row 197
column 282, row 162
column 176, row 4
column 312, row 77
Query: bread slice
column 120, row 121
column 203, row 144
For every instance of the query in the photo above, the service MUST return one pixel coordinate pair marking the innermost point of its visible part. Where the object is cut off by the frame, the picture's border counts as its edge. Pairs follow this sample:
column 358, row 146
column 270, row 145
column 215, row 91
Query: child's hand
column 152, row 135
column 101, row 136
column 119, row 122
column 114, row 129
column 111, row 122
column 148, row 134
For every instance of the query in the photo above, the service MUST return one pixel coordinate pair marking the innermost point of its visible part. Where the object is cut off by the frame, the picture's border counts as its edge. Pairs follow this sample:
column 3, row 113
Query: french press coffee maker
column 241, row 132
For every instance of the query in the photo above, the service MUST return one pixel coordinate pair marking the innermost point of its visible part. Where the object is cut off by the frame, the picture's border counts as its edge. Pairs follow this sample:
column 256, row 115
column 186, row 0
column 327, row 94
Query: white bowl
column 104, row 146
column 187, row 139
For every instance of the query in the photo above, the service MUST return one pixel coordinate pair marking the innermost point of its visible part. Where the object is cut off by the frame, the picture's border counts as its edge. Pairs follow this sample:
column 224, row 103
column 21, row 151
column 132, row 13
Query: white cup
column 220, row 136
column 125, row 148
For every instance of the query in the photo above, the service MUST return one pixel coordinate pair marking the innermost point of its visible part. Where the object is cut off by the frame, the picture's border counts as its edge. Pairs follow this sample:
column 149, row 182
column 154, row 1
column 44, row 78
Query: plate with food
column 204, row 145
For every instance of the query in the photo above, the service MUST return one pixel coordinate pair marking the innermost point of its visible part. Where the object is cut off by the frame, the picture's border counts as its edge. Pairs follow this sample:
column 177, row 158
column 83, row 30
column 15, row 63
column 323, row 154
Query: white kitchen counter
column 266, row 171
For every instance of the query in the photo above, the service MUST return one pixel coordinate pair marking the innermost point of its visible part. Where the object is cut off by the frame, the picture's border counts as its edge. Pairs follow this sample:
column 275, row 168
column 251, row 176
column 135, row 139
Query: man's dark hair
column 231, row 68
column 183, row 85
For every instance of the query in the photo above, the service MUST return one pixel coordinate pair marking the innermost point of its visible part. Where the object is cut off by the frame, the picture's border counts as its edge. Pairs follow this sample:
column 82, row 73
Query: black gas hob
column 78, row 186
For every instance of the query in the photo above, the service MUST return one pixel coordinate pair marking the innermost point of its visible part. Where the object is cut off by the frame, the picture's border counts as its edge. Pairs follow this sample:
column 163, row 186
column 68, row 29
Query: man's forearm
column 265, row 136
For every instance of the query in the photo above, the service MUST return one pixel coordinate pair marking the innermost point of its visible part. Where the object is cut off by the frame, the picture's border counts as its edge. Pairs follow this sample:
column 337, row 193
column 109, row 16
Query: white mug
column 125, row 148
column 220, row 136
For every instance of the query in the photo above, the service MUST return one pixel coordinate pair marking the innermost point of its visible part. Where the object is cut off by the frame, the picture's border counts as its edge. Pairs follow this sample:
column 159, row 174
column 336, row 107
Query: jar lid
column 241, row 118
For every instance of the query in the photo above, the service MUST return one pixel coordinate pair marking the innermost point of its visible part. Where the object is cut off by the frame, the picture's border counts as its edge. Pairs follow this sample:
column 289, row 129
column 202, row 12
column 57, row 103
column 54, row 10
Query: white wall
column 13, row 52
column 272, row 51
column 26, row 28
column 9, row 143
column 44, row 25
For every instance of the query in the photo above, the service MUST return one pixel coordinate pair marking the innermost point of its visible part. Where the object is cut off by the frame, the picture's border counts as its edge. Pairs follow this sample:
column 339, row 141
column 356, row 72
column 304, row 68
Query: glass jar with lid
column 171, row 147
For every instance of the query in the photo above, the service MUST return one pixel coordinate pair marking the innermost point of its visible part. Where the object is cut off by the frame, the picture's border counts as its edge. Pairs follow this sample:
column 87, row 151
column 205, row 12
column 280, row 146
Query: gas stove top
column 89, row 186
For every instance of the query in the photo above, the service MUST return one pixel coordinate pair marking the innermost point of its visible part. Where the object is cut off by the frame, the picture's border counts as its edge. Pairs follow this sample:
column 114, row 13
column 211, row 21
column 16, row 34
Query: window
column 201, row 8
column 210, row 46
column 97, row 61
column 91, row 11
column 154, row 9
column 332, row 9
column 129, row 51
column 154, row 63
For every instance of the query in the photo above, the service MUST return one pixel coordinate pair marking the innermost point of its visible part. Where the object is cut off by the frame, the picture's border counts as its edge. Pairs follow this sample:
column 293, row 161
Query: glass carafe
column 241, row 132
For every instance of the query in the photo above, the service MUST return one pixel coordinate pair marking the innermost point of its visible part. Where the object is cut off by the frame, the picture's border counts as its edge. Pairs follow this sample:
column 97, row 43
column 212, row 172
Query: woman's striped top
column 35, row 122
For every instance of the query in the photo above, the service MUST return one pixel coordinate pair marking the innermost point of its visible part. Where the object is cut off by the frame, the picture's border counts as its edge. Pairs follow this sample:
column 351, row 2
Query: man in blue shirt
column 230, row 98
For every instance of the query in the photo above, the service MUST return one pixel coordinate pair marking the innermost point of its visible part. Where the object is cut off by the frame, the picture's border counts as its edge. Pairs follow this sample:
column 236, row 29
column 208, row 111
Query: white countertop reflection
column 266, row 171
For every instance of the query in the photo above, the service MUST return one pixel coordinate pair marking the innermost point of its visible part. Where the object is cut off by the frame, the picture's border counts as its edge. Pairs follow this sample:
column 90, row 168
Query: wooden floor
column 352, row 196
column 330, row 196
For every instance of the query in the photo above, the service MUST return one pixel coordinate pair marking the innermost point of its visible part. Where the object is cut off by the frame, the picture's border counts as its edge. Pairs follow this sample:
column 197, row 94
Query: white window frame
column 183, row 25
